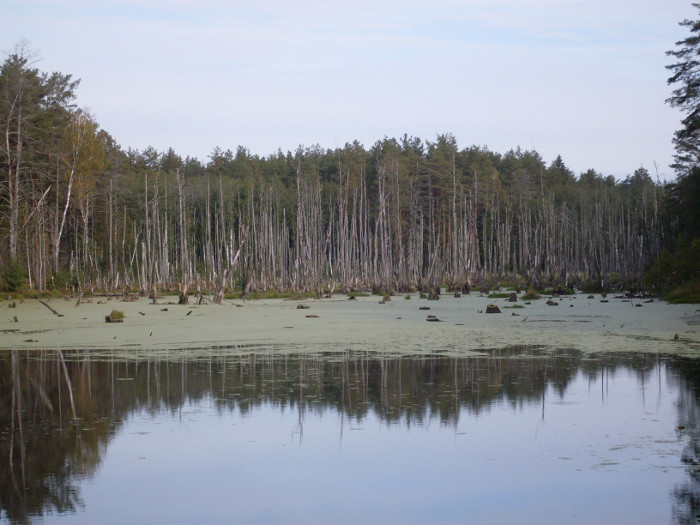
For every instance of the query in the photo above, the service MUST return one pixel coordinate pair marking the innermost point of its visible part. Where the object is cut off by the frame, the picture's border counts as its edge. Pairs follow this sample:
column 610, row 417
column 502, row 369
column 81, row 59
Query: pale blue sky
column 584, row 79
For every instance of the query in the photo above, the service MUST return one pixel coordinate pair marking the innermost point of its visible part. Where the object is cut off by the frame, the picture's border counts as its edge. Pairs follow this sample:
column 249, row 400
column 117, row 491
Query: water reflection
column 60, row 411
column 686, row 509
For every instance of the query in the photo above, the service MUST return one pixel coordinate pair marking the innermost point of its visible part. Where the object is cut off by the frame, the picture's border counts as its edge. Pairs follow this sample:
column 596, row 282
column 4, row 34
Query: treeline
column 78, row 211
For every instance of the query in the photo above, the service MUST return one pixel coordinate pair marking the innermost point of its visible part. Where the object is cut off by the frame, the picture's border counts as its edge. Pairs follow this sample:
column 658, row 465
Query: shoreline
column 397, row 327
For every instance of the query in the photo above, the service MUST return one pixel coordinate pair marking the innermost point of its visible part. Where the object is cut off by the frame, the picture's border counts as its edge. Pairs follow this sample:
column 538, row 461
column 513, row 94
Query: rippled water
column 514, row 436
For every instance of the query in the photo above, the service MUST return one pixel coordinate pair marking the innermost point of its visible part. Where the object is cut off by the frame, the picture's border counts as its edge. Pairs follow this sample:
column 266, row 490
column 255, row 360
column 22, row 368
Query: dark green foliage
column 686, row 95
column 590, row 286
column 684, row 205
column 14, row 278
column 674, row 269
column 62, row 280
column 676, row 273
column 687, row 293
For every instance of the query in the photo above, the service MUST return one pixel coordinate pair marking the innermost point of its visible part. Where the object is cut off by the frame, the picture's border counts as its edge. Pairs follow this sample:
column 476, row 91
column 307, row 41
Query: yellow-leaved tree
column 83, row 158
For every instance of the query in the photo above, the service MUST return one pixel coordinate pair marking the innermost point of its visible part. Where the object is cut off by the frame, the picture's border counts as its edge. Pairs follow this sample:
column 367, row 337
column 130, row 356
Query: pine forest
column 78, row 212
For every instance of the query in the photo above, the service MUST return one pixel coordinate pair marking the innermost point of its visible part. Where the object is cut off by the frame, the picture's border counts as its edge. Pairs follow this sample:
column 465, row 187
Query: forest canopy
column 79, row 212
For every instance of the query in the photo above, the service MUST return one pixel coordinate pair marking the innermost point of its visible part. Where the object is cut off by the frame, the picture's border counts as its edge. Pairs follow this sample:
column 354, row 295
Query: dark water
column 517, row 436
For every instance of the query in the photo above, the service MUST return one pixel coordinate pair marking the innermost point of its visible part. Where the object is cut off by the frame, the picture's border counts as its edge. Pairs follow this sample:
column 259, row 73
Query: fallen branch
column 47, row 306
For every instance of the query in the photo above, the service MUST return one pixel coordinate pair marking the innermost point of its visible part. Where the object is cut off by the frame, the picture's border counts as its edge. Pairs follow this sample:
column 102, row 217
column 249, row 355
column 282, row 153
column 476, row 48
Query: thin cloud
column 574, row 77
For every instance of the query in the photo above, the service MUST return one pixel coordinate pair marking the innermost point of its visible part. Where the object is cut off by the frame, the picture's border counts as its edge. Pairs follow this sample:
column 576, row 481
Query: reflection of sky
column 602, row 454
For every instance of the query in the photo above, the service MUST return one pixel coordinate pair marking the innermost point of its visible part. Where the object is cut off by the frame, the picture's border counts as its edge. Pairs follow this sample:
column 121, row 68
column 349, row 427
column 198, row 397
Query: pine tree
column 686, row 96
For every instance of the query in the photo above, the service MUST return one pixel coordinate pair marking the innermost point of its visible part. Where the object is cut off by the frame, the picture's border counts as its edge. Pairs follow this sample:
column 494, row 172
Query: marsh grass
column 530, row 295
column 688, row 293
column 269, row 294
column 116, row 314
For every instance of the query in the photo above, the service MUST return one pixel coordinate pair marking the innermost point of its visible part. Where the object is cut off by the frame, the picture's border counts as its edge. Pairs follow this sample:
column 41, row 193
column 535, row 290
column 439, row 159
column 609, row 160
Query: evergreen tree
column 686, row 96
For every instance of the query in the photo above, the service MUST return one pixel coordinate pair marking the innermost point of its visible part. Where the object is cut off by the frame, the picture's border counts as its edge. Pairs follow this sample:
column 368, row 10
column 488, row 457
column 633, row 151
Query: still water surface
column 514, row 436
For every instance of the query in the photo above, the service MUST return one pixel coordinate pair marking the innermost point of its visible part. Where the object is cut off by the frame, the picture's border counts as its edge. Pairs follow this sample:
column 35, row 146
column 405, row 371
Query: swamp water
column 522, row 435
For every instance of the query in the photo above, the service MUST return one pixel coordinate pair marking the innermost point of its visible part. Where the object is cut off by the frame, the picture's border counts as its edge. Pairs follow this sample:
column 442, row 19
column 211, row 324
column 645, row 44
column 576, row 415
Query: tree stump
column 493, row 309
column 184, row 299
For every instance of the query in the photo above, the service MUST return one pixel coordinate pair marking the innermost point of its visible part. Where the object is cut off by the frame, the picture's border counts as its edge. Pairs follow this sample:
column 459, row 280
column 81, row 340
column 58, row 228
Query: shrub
column 560, row 290
column 677, row 268
column 688, row 293
column 591, row 286
column 14, row 278
column 530, row 294
column 62, row 280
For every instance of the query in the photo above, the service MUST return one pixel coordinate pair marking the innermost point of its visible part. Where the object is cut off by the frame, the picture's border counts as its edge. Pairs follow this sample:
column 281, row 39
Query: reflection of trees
column 44, row 449
column 686, row 508
column 50, row 451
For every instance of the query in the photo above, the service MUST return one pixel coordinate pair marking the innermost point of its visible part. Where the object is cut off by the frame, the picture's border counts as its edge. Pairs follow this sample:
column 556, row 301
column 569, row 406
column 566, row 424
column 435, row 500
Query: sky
column 584, row 79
